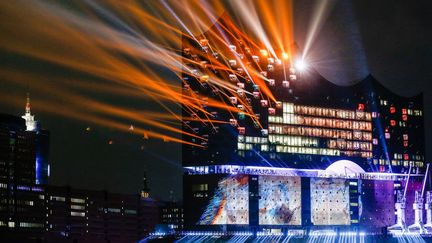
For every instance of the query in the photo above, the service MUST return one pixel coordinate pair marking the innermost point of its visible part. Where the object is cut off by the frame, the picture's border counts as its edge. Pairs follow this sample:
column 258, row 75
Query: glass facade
column 272, row 137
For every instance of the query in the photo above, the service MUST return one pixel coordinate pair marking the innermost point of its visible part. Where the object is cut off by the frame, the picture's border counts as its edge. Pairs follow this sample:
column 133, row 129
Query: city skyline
column 119, row 166
column 215, row 121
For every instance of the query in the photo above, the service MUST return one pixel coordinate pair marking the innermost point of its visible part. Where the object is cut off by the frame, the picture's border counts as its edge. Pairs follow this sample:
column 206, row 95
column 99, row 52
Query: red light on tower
column 392, row 109
column 392, row 123
column 361, row 107
column 404, row 117
column 404, row 111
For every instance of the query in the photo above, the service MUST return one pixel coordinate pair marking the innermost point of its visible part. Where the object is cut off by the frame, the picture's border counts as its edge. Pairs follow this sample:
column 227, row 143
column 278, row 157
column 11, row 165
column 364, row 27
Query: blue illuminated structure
column 42, row 156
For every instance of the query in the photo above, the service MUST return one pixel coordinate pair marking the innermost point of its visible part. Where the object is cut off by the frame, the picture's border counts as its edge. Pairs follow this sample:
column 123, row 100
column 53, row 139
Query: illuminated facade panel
column 229, row 204
column 280, row 202
column 330, row 203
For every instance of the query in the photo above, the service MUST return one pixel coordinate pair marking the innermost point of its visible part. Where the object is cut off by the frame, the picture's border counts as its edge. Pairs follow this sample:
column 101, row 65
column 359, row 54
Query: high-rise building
column 65, row 214
column 31, row 212
column 17, row 177
column 17, row 152
column 42, row 166
column 291, row 149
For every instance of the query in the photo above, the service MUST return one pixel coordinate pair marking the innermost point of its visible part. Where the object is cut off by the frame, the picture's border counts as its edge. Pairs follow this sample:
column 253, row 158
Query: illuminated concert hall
column 296, row 155
column 212, row 121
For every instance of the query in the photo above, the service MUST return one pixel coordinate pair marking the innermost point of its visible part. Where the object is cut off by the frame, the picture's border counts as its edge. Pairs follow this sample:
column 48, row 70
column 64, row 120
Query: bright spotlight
column 285, row 56
column 300, row 65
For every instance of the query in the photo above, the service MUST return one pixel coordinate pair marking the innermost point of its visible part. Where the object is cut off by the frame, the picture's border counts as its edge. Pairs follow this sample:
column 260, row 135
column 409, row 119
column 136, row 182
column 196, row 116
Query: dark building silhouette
column 18, row 148
column 32, row 211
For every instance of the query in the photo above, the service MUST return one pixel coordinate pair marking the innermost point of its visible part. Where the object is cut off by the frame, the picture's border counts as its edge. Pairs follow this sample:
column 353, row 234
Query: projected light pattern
column 282, row 117
column 230, row 203
column 130, row 50
column 330, row 201
column 280, row 200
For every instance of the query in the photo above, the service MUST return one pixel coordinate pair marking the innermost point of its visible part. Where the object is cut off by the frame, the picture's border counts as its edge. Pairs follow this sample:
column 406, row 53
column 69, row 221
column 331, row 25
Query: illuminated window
column 77, row 200
column 55, row 198
column 77, row 207
column 113, row 210
column 240, row 146
column 199, row 187
column 417, row 113
column 288, row 108
column 30, row 225
column 77, row 214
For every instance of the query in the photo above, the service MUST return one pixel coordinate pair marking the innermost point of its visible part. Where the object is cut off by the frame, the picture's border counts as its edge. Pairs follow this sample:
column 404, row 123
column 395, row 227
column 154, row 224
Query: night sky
column 388, row 39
